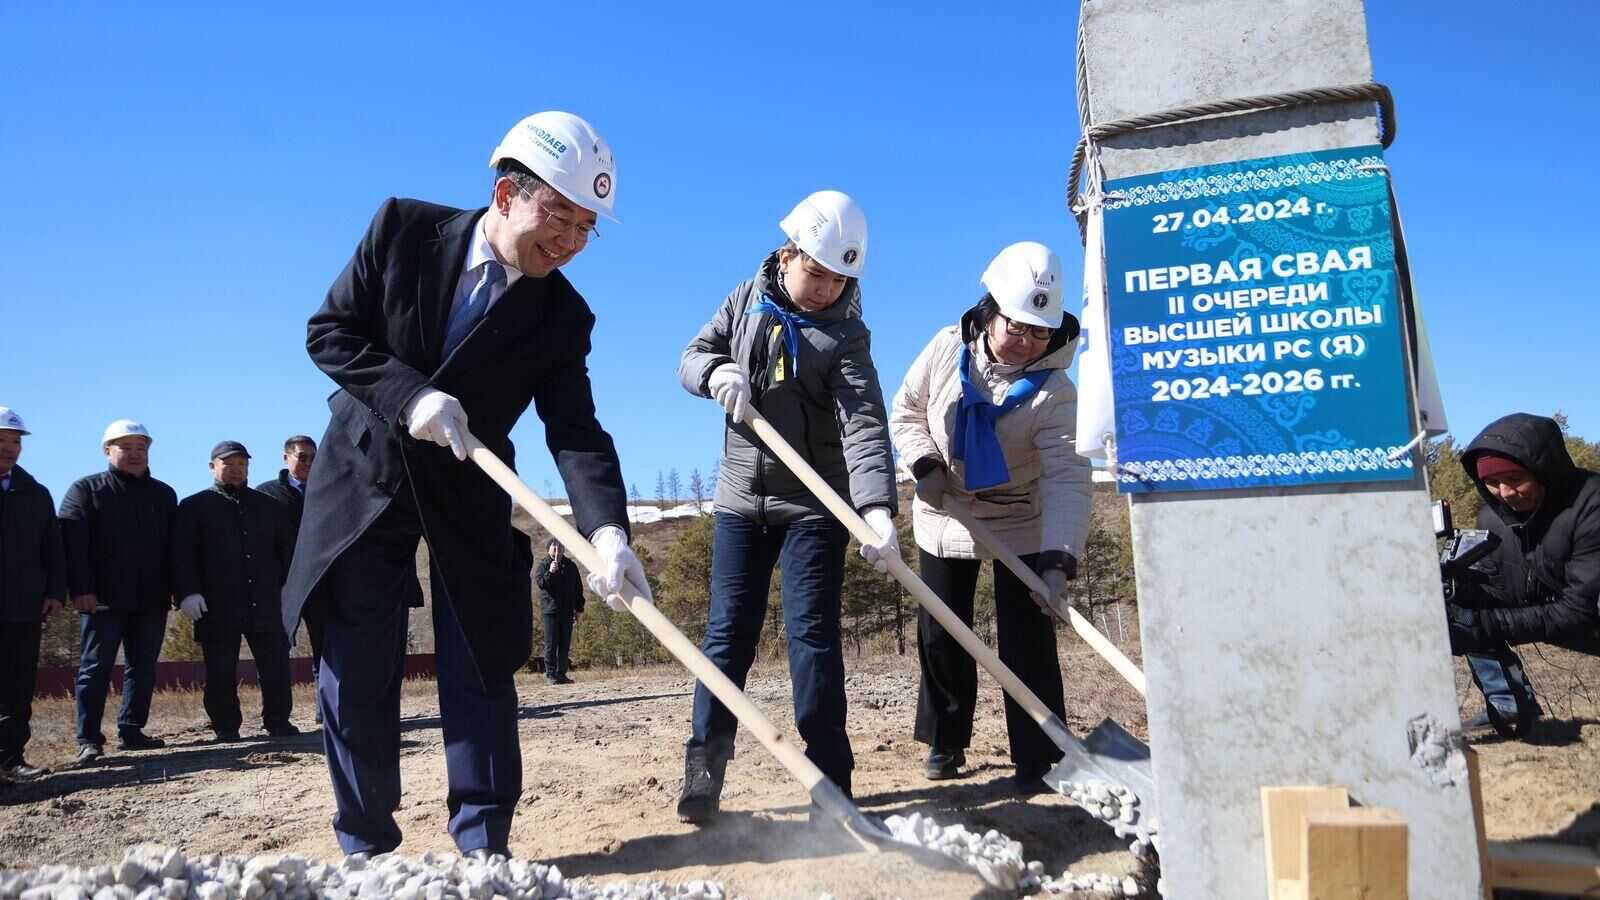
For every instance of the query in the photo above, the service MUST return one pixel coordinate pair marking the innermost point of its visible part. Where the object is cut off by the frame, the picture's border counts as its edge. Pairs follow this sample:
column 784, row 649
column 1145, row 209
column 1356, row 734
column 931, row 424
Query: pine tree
column 697, row 490
column 674, row 486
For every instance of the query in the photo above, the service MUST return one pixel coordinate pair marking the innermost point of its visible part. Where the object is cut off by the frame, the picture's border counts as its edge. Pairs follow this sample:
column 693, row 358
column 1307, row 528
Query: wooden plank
column 1547, row 868
column 1283, row 816
column 1476, row 785
column 1355, row 854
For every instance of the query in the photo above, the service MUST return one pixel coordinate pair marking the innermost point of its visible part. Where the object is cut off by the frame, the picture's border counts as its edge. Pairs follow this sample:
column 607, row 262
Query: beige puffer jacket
column 1045, row 505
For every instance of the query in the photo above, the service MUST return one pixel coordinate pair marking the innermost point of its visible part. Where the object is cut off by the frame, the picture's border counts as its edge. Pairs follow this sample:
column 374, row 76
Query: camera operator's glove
column 1469, row 630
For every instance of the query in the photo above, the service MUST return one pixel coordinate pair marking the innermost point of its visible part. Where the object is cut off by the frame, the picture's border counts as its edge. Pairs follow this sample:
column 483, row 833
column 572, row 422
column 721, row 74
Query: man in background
column 33, row 582
column 561, row 601
column 117, row 528
column 289, row 489
column 230, row 553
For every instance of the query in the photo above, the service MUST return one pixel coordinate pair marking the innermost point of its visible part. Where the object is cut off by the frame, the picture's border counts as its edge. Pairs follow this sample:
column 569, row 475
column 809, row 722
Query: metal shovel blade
column 1113, row 756
column 875, row 836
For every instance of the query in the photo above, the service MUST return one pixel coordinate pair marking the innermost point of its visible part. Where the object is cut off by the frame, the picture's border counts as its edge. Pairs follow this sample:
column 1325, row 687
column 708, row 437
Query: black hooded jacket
column 1544, row 579
column 33, row 567
column 117, row 529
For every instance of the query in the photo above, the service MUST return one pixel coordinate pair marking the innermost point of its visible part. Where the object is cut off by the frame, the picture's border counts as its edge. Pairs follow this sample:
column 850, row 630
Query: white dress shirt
column 478, row 253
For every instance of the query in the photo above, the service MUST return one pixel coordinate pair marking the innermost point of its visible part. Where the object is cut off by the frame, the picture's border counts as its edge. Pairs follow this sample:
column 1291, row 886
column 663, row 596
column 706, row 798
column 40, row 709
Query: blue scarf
column 974, row 441
column 792, row 323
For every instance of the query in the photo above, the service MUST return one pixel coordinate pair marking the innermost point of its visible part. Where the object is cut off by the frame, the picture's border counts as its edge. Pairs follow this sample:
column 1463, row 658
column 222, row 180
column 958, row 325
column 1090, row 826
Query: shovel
column 869, row 832
column 1115, row 762
column 1120, row 754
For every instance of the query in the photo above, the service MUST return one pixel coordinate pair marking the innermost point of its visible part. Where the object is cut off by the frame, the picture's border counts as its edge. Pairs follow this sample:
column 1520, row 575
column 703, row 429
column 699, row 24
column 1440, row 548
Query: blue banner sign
column 1255, row 327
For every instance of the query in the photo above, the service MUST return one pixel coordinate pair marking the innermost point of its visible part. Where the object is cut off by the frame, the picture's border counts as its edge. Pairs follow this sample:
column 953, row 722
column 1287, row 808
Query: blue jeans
column 139, row 634
column 811, row 552
column 1494, row 676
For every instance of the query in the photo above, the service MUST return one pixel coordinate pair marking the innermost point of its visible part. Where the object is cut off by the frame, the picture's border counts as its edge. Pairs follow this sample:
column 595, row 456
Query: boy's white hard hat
column 832, row 230
column 568, row 154
column 122, row 428
column 1025, row 280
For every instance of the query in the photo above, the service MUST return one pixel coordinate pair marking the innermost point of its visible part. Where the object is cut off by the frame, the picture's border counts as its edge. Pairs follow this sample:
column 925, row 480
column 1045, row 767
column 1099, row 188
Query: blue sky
column 181, row 182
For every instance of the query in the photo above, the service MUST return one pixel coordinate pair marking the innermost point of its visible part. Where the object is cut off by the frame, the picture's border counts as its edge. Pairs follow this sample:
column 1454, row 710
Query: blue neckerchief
column 974, row 441
column 792, row 323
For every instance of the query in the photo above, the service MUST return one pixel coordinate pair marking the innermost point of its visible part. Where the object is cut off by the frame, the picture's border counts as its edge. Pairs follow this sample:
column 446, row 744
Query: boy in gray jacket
column 791, row 343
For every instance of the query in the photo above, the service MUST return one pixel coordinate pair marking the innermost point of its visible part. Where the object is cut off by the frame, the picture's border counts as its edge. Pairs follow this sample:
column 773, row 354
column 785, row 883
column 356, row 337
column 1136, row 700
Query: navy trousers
column 19, row 666
column 139, row 635
column 1027, row 640
column 812, row 555
column 557, row 643
column 363, row 654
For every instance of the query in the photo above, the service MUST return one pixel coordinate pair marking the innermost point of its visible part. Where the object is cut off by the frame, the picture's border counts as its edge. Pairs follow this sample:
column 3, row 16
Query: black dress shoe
column 487, row 854
column 138, row 740
column 282, row 729
column 22, row 771
column 943, row 764
column 1028, row 781
column 228, row 737
column 89, row 754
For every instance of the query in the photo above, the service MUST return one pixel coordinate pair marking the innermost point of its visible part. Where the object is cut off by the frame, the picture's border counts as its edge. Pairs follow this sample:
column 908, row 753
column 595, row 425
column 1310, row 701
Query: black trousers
column 19, row 664
column 271, row 650
column 557, row 642
column 1027, row 639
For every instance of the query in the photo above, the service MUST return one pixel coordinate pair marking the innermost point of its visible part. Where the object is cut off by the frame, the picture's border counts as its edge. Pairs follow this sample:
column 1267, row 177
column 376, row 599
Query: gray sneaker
column 89, row 754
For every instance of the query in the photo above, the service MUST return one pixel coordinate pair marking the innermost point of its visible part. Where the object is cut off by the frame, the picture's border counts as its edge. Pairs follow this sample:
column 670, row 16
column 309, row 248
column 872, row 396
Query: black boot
column 702, row 786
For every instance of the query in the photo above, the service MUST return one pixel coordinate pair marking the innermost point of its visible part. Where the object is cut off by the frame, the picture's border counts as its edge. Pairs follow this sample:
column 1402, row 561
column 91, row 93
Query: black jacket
column 380, row 335
column 290, row 499
column 231, row 547
column 118, row 535
column 560, row 591
column 1544, row 579
column 33, row 567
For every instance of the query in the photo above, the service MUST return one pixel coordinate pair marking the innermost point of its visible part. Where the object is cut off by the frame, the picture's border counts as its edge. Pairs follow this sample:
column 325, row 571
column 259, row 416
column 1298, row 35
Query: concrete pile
column 151, row 872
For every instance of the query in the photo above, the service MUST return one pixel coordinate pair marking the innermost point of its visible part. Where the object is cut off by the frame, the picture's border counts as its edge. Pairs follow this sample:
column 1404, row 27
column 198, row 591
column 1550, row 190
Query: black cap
column 228, row 448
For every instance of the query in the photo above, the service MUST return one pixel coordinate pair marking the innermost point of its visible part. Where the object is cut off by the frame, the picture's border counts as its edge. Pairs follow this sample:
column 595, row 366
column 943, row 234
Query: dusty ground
column 603, row 765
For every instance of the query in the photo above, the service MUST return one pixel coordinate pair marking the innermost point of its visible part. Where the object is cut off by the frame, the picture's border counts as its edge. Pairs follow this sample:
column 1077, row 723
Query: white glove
column 435, row 416
column 620, row 563
column 193, row 606
column 730, row 387
column 1056, row 581
column 878, row 554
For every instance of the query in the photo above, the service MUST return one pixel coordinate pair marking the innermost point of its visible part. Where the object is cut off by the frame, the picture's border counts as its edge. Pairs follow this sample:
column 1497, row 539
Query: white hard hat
column 1025, row 281
column 122, row 428
column 568, row 154
column 10, row 421
column 832, row 230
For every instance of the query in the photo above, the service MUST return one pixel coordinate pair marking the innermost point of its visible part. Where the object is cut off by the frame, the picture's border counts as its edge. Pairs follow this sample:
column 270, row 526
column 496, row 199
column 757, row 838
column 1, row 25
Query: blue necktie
column 472, row 311
column 974, row 441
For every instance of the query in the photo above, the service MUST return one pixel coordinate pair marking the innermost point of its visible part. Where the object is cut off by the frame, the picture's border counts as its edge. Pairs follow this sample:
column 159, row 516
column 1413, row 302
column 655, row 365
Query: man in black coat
column 33, row 583
column 289, row 489
column 443, row 314
column 1542, row 581
column 117, row 528
column 230, row 552
column 561, row 602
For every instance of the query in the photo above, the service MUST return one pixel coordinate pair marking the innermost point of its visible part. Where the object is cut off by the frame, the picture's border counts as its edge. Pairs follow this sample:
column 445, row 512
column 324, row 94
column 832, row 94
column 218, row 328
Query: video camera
column 1463, row 549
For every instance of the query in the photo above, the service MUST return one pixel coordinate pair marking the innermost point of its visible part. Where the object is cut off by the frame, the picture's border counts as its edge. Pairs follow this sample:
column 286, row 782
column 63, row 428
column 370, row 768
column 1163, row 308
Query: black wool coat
column 33, row 566
column 1544, row 578
column 118, row 534
column 290, row 500
column 379, row 336
column 561, row 591
column 231, row 547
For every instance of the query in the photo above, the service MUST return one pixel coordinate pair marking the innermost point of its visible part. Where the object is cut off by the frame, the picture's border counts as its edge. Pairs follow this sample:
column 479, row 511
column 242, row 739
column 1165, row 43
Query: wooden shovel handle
column 1082, row 626
column 791, row 756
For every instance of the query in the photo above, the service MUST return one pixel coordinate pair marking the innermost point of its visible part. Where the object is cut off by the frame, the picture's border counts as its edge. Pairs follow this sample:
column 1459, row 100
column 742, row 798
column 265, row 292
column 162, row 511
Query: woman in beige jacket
column 986, row 417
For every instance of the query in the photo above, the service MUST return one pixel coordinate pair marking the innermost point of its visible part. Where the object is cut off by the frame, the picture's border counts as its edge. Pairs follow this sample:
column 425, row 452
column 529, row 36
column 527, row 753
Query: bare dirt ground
column 603, row 764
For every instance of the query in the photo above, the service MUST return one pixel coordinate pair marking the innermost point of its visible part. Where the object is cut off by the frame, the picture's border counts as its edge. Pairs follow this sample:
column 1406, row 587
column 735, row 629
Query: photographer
column 1542, row 581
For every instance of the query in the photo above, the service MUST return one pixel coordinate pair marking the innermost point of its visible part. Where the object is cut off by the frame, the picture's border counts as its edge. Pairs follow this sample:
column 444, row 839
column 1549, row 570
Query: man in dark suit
column 289, row 489
column 441, row 315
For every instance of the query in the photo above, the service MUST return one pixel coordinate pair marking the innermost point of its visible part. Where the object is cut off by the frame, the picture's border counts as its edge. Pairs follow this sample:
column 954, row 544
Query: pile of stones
column 151, row 872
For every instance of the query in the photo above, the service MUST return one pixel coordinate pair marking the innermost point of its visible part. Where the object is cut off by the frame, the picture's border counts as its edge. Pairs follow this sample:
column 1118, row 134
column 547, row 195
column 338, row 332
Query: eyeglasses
column 583, row 233
column 1018, row 329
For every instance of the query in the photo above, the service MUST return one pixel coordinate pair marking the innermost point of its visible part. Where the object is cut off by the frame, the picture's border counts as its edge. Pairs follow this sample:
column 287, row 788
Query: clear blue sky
column 181, row 182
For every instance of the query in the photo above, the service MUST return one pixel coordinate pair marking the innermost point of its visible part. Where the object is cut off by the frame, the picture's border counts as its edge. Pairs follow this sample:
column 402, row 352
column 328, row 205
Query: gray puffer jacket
column 830, row 408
